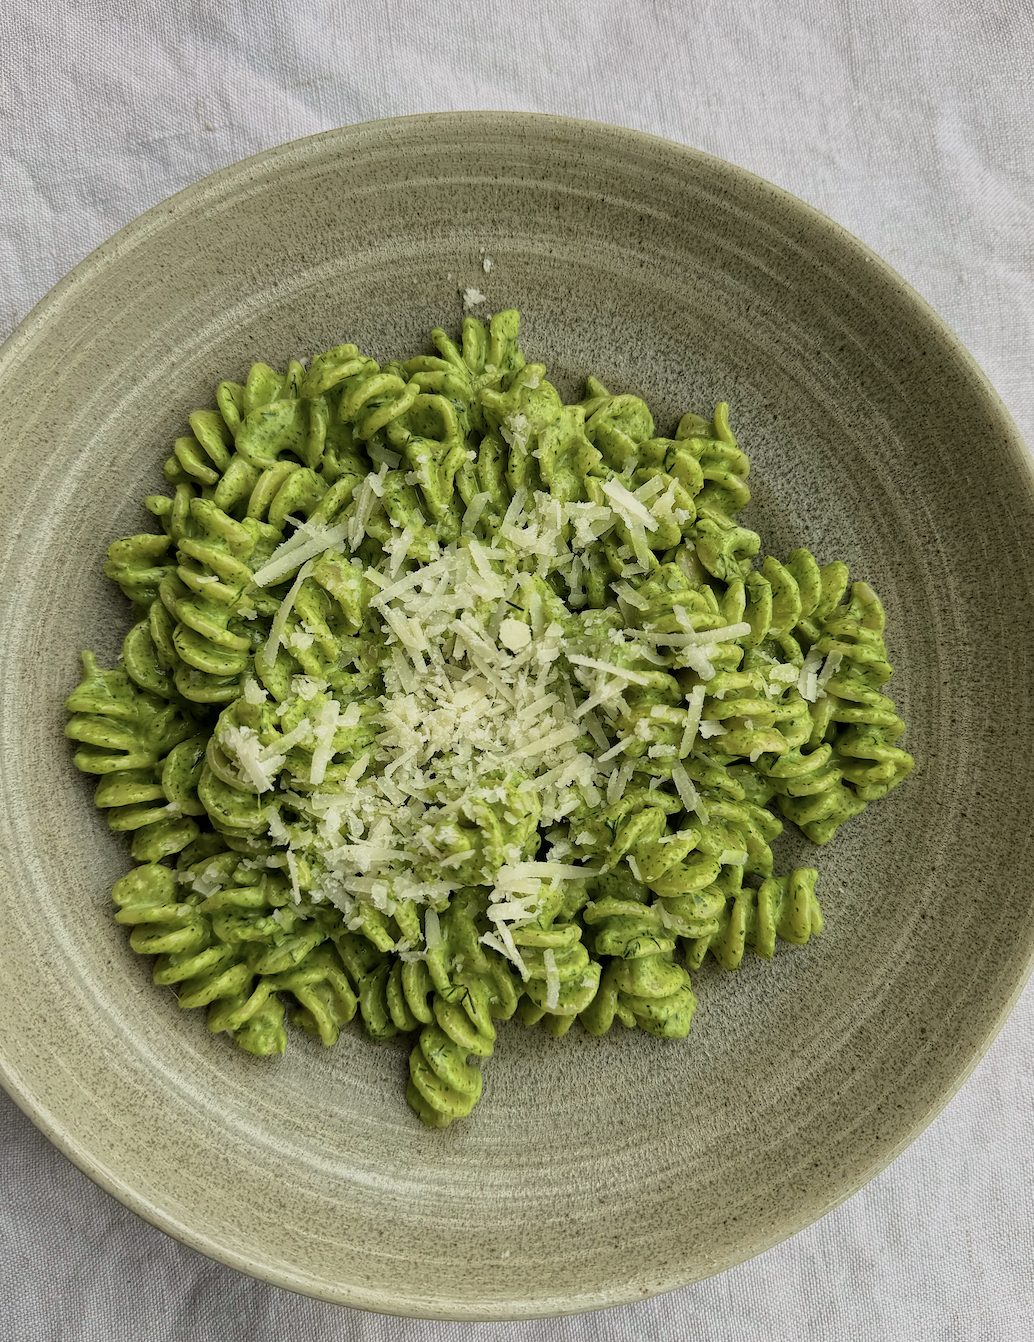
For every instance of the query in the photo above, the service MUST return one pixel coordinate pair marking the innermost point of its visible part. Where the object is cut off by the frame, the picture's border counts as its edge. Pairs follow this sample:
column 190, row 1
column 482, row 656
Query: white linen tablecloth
column 910, row 124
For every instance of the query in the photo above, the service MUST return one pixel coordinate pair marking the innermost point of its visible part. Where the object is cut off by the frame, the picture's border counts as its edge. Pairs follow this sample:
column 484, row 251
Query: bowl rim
column 358, row 136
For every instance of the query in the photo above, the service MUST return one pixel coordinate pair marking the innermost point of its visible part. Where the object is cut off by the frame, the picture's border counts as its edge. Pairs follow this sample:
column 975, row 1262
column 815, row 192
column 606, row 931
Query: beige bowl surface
column 594, row 1171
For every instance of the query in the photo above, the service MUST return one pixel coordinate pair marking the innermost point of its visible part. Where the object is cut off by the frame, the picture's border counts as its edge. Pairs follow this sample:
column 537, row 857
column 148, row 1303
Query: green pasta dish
column 448, row 702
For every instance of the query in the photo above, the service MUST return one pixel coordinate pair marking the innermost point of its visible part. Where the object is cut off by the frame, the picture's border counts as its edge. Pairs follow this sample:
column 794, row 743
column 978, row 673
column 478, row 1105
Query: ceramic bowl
column 594, row 1171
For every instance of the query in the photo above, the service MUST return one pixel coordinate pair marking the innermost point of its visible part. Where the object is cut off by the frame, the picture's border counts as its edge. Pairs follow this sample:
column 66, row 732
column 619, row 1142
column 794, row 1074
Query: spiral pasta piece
column 853, row 718
column 134, row 563
column 163, row 924
column 641, row 984
column 444, row 1085
column 324, row 997
column 369, row 970
column 723, row 467
column 561, row 977
column 119, row 726
column 126, row 736
column 189, row 955
column 139, row 805
column 869, row 760
column 722, row 547
column 784, row 907
column 215, row 566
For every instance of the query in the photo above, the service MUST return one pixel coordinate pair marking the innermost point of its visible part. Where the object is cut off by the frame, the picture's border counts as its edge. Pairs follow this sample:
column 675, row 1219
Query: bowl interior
column 594, row 1171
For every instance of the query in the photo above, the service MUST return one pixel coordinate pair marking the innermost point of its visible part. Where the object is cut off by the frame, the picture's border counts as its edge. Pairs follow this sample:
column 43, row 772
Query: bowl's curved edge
column 165, row 213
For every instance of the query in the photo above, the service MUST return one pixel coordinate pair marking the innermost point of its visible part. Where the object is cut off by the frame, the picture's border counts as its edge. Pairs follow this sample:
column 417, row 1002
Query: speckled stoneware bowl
column 594, row 1171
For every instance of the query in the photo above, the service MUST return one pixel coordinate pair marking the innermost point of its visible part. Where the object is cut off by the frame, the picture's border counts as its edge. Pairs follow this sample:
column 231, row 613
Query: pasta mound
column 447, row 701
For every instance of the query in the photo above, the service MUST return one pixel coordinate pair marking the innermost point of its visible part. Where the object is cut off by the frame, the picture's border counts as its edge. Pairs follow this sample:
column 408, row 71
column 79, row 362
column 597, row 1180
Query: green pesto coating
column 785, row 719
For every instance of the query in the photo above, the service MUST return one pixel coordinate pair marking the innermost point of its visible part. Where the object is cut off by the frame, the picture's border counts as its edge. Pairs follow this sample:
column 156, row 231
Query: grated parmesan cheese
column 687, row 792
column 808, row 681
column 326, row 728
column 307, row 542
column 475, row 508
column 552, row 979
column 276, row 633
column 515, row 634
column 694, row 707
column 253, row 692
column 628, row 507
column 829, row 670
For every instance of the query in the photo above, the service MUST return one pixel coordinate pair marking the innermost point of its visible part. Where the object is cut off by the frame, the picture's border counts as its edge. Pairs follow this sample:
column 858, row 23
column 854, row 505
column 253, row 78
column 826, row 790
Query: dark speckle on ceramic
column 594, row 1171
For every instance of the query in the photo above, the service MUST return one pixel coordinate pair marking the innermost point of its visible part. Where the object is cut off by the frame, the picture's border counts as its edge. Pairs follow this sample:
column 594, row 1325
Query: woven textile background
column 912, row 124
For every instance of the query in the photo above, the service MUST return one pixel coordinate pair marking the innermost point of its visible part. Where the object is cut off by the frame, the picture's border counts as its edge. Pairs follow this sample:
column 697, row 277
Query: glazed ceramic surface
column 594, row 1171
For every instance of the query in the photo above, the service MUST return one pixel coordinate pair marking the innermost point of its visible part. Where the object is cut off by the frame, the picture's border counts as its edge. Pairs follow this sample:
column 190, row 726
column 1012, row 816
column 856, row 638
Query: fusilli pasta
column 446, row 701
